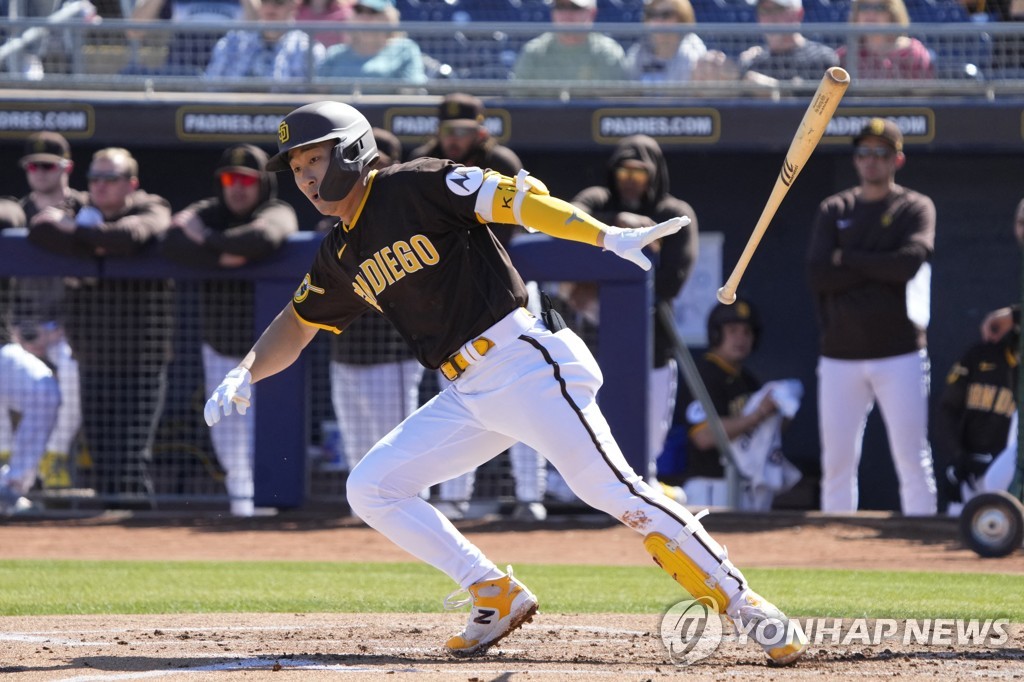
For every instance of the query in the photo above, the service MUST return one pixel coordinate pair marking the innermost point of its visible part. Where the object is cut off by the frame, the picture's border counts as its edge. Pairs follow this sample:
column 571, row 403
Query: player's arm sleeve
column 263, row 235
column 823, row 276
column 901, row 264
column 525, row 201
column 279, row 345
column 324, row 299
column 126, row 236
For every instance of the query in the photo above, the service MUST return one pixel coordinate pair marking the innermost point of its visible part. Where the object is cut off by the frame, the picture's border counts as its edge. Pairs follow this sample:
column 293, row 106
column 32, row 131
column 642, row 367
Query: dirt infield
column 379, row 646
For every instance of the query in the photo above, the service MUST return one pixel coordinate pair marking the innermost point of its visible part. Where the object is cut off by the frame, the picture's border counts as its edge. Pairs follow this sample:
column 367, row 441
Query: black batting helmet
column 740, row 311
column 321, row 121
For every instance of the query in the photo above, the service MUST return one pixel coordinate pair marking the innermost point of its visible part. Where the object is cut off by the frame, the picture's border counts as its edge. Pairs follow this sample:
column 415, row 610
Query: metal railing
column 969, row 59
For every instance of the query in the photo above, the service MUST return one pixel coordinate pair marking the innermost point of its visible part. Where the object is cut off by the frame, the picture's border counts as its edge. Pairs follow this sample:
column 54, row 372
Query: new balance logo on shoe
column 497, row 608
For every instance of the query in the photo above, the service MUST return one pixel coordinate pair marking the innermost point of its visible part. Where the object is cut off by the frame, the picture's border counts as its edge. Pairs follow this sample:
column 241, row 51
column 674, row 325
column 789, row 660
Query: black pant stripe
column 557, row 371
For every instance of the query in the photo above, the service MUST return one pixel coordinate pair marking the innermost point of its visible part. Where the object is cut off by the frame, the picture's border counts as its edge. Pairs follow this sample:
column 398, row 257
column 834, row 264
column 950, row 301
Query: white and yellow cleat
column 782, row 639
column 498, row 607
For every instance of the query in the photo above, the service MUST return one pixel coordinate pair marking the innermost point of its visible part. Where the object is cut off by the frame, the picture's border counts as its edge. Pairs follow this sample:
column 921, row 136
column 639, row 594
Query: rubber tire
column 992, row 524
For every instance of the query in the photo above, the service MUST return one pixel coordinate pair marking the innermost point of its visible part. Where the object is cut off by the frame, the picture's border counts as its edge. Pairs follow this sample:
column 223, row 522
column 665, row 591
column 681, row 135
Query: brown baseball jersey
column 417, row 253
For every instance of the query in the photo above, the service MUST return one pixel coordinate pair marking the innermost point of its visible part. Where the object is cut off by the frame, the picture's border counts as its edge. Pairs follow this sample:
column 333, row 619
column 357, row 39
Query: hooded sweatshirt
column 678, row 251
column 227, row 310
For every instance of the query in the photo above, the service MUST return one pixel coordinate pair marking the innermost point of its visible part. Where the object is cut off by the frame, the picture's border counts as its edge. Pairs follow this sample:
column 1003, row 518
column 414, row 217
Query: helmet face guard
column 354, row 148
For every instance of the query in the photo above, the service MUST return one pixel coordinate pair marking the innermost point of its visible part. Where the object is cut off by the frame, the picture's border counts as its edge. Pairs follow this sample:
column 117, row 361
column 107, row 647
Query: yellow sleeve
column 526, row 201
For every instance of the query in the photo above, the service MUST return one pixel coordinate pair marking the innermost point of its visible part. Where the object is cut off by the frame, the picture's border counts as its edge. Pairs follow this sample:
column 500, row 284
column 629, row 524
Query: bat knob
column 727, row 297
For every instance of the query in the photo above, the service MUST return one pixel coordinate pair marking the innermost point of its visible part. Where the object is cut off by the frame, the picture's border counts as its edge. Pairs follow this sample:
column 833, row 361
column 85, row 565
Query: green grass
column 128, row 587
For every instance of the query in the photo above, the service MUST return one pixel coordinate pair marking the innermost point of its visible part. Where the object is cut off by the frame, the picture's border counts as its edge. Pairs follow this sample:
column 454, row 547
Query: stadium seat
column 826, row 11
column 621, row 11
column 725, row 11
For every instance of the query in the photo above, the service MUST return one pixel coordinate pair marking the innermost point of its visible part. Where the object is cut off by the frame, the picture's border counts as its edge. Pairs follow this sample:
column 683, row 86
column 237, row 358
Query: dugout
column 723, row 158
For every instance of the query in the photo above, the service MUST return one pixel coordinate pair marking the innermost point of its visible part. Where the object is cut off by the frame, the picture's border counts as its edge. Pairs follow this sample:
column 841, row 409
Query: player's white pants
column 69, row 417
column 370, row 400
column 661, row 404
column 232, row 438
column 847, row 392
column 529, row 470
column 28, row 387
column 533, row 386
column 662, row 384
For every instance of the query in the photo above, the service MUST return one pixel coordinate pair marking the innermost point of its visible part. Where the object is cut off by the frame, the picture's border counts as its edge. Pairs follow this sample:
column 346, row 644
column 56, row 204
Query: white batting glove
column 627, row 243
column 236, row 389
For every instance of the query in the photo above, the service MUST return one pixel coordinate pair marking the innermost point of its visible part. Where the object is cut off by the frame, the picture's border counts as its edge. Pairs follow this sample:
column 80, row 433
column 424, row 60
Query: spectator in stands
column 663, row 57
column 188, row 52
column 330, row 12
column 785, row 56
column 120, row 330
column 243, row 223
column 27, row 388
column 564, row 56
column 387, row 54
column 39, row 306
column 636, row 194
column 885, row 56
column 269, row 54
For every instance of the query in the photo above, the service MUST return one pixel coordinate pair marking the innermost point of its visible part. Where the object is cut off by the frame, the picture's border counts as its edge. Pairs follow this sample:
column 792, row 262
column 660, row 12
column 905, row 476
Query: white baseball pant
column 370, row 400
column 69, row 417
column 233, row 438
column 533, row 386
column 28, row 387
column 847, row 392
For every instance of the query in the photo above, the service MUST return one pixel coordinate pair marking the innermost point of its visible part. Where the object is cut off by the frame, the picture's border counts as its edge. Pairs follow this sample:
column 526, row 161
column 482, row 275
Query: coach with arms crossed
column 868, row 268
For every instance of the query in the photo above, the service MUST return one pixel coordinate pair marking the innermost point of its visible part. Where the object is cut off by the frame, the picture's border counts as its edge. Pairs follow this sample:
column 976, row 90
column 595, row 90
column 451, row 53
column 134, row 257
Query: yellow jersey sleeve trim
column 538, row 210
column 362, row 202
column 314, row 324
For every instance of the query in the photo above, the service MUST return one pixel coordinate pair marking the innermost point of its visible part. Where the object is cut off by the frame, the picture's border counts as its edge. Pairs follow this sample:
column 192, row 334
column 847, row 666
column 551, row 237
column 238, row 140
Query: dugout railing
column 286, row 440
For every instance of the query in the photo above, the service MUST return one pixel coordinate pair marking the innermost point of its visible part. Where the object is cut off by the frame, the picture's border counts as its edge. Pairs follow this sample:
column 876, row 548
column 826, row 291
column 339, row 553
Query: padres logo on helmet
column 282, row 132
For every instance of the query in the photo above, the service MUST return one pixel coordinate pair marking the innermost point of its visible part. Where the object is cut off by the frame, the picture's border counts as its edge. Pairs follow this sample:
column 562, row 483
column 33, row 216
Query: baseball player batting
column 413, row 244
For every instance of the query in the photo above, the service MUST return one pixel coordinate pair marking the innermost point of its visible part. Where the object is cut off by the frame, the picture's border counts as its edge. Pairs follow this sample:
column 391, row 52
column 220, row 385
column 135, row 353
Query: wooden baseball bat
column 808, row 134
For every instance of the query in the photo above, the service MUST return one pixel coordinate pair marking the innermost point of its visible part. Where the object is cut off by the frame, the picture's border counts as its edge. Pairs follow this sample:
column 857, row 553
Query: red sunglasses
column 40, row 166
column 243, row 179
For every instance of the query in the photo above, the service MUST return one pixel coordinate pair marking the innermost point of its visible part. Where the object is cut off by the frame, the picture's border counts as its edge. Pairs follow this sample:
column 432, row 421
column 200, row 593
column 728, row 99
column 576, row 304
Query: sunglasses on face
column 106, row 177
column 243, row 179
column 460, row 132
column 623, row 173
column 40, row 166
column 876, row 152
column 362, row 9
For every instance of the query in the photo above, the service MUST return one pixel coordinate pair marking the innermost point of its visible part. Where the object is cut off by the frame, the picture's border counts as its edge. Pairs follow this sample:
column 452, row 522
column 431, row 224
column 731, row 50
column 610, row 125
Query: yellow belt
column 456, row 364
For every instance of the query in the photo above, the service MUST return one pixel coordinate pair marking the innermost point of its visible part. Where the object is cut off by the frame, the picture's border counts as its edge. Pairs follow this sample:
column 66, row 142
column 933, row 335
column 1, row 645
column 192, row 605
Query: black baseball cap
column 884, row 129
column 243, row 158
column 461, row 108
column 46, row 146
